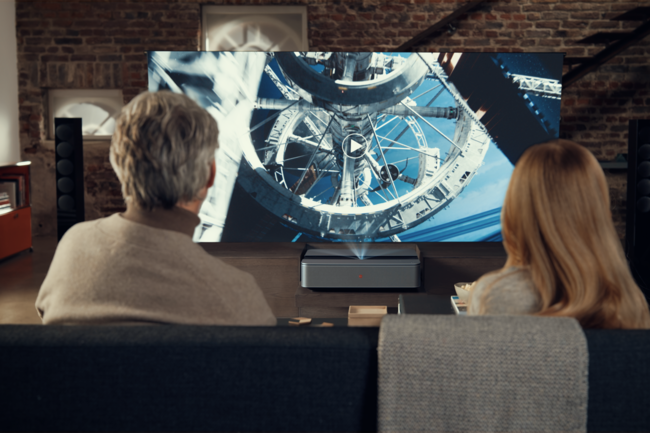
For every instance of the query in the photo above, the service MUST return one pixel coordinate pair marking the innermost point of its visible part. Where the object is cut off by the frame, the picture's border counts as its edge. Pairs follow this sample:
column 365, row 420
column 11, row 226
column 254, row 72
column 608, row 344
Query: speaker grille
column 643, row 173
column 64, row 149
column 637, row 234
column 69, row 173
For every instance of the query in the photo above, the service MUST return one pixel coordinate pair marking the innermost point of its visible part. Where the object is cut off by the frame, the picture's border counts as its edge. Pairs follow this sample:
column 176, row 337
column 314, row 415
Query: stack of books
column 12, row 187
column 5, row 203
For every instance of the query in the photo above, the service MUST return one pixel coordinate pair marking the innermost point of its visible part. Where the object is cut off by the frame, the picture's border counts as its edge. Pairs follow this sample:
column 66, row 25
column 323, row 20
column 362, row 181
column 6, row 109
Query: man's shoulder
column 83, row 229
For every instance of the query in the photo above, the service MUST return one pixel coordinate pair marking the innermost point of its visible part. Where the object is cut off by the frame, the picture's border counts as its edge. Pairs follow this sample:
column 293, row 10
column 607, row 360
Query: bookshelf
column 16, row 222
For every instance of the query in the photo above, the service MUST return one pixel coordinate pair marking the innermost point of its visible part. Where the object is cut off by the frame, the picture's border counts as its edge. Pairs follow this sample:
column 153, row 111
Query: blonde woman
column 564, row 257
column 141, row 266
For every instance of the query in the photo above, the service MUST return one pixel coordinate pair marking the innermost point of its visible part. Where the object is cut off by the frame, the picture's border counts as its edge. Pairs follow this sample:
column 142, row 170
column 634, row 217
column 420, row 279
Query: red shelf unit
column 16, row 225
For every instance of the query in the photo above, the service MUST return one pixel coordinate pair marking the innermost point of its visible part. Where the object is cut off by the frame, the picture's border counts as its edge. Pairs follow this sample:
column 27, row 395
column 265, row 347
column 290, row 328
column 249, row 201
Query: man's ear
column 213, row 173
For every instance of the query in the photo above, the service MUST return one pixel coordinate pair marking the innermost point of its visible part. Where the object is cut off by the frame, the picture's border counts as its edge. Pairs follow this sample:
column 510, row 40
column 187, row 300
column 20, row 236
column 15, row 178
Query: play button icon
column 354, row 146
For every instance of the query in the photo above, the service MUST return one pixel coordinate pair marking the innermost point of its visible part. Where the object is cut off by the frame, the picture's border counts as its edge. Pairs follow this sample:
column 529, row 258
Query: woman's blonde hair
column 162, row 149
column 556, row 222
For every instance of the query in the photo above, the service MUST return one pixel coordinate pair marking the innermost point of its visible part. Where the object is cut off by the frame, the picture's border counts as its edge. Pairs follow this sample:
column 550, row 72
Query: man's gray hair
column 162, row 149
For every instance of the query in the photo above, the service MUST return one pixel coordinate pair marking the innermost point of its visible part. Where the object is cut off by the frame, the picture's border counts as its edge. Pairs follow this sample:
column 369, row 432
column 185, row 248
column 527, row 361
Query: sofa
column 197, row 378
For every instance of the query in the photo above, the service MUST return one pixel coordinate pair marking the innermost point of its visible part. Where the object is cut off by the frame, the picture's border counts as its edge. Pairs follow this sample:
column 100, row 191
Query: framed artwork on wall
column 254, row 28
column 98, row 109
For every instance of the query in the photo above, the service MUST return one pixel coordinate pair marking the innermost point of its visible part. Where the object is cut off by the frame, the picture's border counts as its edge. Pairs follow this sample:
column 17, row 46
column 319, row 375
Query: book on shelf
column 460, row 306
column 8, row 189
column 5, row 203
column 14, row 182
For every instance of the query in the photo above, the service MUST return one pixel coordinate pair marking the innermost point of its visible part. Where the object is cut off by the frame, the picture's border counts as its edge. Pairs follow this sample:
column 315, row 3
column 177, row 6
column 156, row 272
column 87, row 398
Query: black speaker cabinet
column 69, row 173
column 637, row 236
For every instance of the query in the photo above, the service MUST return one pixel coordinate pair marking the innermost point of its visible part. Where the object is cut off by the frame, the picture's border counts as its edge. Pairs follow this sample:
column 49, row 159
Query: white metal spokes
column 433, row 127
column 397, row 184
column 320, row 157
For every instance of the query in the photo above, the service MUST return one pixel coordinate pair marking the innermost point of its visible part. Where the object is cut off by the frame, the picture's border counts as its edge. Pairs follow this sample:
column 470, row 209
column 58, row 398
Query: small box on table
column 365, row 315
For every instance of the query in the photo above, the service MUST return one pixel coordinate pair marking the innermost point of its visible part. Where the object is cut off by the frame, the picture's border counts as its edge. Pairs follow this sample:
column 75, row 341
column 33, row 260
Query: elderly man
column 141, row 267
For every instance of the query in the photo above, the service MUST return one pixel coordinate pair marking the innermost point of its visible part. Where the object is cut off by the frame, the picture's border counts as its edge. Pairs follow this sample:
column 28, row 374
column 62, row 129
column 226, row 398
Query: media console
column 276, row 268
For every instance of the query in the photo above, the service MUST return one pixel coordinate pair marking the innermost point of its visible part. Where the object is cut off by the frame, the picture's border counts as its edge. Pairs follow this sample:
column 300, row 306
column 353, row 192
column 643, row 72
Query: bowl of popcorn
column 463, row 290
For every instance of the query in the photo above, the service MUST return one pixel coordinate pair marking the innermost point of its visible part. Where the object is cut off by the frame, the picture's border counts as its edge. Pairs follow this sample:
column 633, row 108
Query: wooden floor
column 21, row 276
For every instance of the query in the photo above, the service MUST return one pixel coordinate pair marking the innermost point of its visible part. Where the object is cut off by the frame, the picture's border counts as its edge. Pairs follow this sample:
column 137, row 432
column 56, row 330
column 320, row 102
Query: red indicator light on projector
column 360, row 276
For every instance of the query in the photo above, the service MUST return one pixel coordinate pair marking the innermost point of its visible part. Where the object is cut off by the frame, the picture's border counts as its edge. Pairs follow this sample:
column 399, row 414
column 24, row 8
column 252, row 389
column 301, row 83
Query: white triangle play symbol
column 354, row 146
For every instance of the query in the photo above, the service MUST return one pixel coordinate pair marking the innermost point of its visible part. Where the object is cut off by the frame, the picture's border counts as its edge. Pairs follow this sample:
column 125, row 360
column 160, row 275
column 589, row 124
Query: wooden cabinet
column 16, row 224
column 276, row 268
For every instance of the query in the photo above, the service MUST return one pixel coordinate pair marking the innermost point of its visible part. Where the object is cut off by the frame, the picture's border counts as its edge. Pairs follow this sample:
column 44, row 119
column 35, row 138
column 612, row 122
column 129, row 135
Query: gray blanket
column 484, row 373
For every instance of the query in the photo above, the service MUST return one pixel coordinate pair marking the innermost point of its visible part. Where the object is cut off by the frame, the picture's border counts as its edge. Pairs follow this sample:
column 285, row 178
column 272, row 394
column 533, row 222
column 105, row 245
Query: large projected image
column 364, row 147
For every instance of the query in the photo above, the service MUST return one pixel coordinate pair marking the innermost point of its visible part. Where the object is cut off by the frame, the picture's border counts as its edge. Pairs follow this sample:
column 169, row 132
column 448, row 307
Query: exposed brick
column 493, row 25
column 537, row 33
column 38, row 41
column 68, row 41
column 477, row 42
column 33, row 49
column 604, row 25
column 54, row 58
column 575, row 24
column 83, row 58
column 62, row 23
column 83, row 44
column 135, row 57
column 128, row 41
column 585, row 15
column 549, row 42
column 547, row 24
column 98, row 40
column 535, row 8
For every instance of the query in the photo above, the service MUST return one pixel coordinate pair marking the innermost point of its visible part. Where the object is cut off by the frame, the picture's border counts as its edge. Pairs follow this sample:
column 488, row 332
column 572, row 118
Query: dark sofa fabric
column 619, row 380
column 186, row 378
column 177, row 378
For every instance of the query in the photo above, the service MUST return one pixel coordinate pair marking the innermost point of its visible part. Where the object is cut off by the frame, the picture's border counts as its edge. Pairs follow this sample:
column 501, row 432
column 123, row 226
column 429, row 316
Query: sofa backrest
column 188, row 378
column 619, row 380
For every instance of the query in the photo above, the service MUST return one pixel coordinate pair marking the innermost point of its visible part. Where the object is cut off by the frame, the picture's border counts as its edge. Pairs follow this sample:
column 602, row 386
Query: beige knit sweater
column 510, row 291
column 117, row 271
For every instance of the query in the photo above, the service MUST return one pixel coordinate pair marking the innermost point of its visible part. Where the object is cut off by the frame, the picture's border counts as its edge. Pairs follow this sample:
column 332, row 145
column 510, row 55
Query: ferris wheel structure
column 331, row 165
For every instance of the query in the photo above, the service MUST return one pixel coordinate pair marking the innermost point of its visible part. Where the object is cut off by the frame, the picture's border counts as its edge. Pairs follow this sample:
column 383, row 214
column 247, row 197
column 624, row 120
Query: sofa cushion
column 188, row 378
column 619, row 380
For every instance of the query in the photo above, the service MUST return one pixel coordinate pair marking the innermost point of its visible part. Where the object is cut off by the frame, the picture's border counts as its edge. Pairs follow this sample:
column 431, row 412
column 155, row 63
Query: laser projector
column 343, row 270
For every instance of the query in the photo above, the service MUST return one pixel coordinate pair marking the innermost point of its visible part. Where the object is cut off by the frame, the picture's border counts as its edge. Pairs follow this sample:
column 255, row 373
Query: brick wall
column 101, row 44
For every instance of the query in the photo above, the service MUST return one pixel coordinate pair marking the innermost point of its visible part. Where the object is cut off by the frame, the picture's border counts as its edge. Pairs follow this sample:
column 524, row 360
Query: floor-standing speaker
column 69, row 173
column 637, row 236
